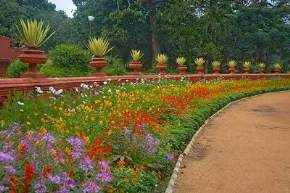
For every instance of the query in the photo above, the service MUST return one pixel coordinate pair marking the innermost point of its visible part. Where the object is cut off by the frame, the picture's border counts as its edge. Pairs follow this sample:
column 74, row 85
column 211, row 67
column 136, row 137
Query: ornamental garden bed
column 109, row 138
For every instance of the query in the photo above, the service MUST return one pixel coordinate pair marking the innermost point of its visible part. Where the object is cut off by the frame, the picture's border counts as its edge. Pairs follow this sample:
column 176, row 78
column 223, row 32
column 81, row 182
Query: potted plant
column 136, row 64
column 216, row 67
column 277, row 68
column 262, row 68
column 32, row 34
column 199, row 65
column 181, row 67
column 99, row 47
column 161, row 60
column 232, row 66
column 247, row 67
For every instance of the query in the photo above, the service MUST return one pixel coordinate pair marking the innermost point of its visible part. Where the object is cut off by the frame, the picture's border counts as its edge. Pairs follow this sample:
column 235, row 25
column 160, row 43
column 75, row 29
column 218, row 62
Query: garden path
column 245, row 149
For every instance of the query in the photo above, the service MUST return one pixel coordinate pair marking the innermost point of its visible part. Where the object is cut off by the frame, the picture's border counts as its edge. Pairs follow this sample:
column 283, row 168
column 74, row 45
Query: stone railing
column 9, row 86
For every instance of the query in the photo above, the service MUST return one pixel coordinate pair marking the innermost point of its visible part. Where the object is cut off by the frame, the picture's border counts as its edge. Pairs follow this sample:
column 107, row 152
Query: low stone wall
column 10, row 85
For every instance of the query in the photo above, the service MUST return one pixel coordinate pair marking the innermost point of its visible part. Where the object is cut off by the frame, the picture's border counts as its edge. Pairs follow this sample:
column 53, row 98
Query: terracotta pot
column 246, row 71
column 232, row 70
column 216, row 69
column 200, row 69
column 262, row 70
column 99, row 64
column 136, row 66
column 32, row 57
column 182, row 69
column 277, row 71
column 161, row 68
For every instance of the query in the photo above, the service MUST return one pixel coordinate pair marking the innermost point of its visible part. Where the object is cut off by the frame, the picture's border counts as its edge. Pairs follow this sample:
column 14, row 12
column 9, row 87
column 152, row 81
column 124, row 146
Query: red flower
column 46, row 171
column 12, row 181
column 28, row 176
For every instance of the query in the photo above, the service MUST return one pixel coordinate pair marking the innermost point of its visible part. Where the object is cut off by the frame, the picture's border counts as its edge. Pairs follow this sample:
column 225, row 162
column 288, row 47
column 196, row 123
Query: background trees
column 256, row 30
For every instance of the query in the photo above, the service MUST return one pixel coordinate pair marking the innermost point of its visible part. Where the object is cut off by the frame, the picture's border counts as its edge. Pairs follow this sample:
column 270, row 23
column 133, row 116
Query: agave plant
column 277, row 66
column 180, row 61
column 136, row 55
column 262, row 66
column 199, row 61
column 99, row 46
column 161, row 59
column 216, row 64
column 32, row 33
column 232, row 63
column 247, row 65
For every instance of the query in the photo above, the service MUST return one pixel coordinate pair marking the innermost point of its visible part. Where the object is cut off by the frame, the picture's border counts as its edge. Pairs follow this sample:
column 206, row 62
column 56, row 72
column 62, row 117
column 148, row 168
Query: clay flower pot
column 200, row 69
column 161, row 68
column 99, row 64
column 246, row 71
column 216, row 69
column 136, row 67
column 277, row 71
column 32, row 57
column 232, row 70
column 262, row 71
column 182, row 69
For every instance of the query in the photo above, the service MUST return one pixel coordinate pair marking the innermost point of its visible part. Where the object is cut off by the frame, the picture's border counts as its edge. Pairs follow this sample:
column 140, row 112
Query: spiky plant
column 180, row 61
column 216, row 64
column 247, row 65
column 232, row 64
column 199, row 61
column 32, row 33
column 277, row 66
column 161, row 59
column 262, row 66
column 136, row 55
column 99, row 46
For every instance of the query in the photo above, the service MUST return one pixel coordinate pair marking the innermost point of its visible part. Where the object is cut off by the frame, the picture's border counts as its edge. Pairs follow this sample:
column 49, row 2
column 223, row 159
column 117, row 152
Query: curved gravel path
column 245, row 149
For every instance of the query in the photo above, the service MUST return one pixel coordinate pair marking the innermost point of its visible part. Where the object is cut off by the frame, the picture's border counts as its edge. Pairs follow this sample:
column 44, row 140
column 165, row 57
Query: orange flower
column 121, row 162
column 28, row 176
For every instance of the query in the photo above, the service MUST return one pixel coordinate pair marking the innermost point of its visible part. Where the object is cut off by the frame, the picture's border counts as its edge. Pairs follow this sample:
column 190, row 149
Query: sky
column 65, row 5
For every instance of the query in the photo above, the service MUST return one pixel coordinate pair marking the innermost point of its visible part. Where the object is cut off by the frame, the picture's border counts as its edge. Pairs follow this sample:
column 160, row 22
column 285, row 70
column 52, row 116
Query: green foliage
column 116, row 67
column 67, row 60
column 32, row 33
column 99, row 46
column 16, row 68
column 161, row 59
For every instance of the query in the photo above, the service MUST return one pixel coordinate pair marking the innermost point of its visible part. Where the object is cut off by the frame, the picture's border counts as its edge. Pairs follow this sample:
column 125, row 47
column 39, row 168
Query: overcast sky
column 65, row 5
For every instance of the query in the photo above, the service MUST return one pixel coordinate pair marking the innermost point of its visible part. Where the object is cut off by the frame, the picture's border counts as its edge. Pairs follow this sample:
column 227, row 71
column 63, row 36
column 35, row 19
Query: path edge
column 189, row 147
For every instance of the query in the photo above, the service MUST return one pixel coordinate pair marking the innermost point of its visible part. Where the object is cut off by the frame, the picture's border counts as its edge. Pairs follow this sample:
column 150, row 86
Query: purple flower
column 170, row 157
column 77, row 147
column 55, row 179
column 5, row 157
column 49, row 138
column 127, row 132
column 10, row 169
column 74, row 141
column 105, row 173
column 104, row 176
column 40, row 187
column 90, row 187
column 86, row 164
column 3, row 188
column 151, row 143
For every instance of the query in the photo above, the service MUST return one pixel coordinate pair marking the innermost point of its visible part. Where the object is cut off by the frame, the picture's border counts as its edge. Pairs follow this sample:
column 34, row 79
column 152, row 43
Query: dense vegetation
column 214, row 29
column 96, row 140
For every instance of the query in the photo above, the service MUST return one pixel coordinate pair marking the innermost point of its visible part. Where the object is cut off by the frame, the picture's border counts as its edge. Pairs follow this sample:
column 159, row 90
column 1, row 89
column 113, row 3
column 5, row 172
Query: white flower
column 85, row 86
column 58, row 92
column 38, row 90
column 20, row 103
column 105, row 82
column 21, row 110
column 51, row 90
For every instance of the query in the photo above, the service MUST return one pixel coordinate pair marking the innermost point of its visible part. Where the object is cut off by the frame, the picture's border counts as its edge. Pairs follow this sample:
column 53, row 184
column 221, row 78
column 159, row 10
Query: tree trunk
column 152, row 19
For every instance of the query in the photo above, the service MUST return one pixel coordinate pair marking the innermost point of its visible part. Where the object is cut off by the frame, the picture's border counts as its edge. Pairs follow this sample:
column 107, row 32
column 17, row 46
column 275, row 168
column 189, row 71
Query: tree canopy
column 256, row 30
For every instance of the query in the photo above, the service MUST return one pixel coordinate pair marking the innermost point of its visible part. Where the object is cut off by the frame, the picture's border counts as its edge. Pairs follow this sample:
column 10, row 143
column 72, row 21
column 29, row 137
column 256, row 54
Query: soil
column 245, row 149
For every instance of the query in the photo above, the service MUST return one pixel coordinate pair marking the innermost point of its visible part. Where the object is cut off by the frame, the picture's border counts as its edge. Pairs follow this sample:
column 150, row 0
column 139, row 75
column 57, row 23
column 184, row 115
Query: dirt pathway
column 245, row 149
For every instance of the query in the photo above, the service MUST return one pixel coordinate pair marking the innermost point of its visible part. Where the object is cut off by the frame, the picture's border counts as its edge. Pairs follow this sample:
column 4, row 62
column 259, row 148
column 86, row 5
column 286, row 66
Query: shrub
column 116, row 67
column 70, row 59
column 99, row 46
column 16, row 68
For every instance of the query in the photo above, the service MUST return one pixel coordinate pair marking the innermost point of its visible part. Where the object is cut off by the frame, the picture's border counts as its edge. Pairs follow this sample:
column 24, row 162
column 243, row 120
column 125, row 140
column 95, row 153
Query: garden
column 122, row 118
column 109, row 138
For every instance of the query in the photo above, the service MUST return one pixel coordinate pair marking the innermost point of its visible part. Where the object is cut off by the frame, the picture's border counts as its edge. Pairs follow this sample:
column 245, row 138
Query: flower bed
column 110, row 138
